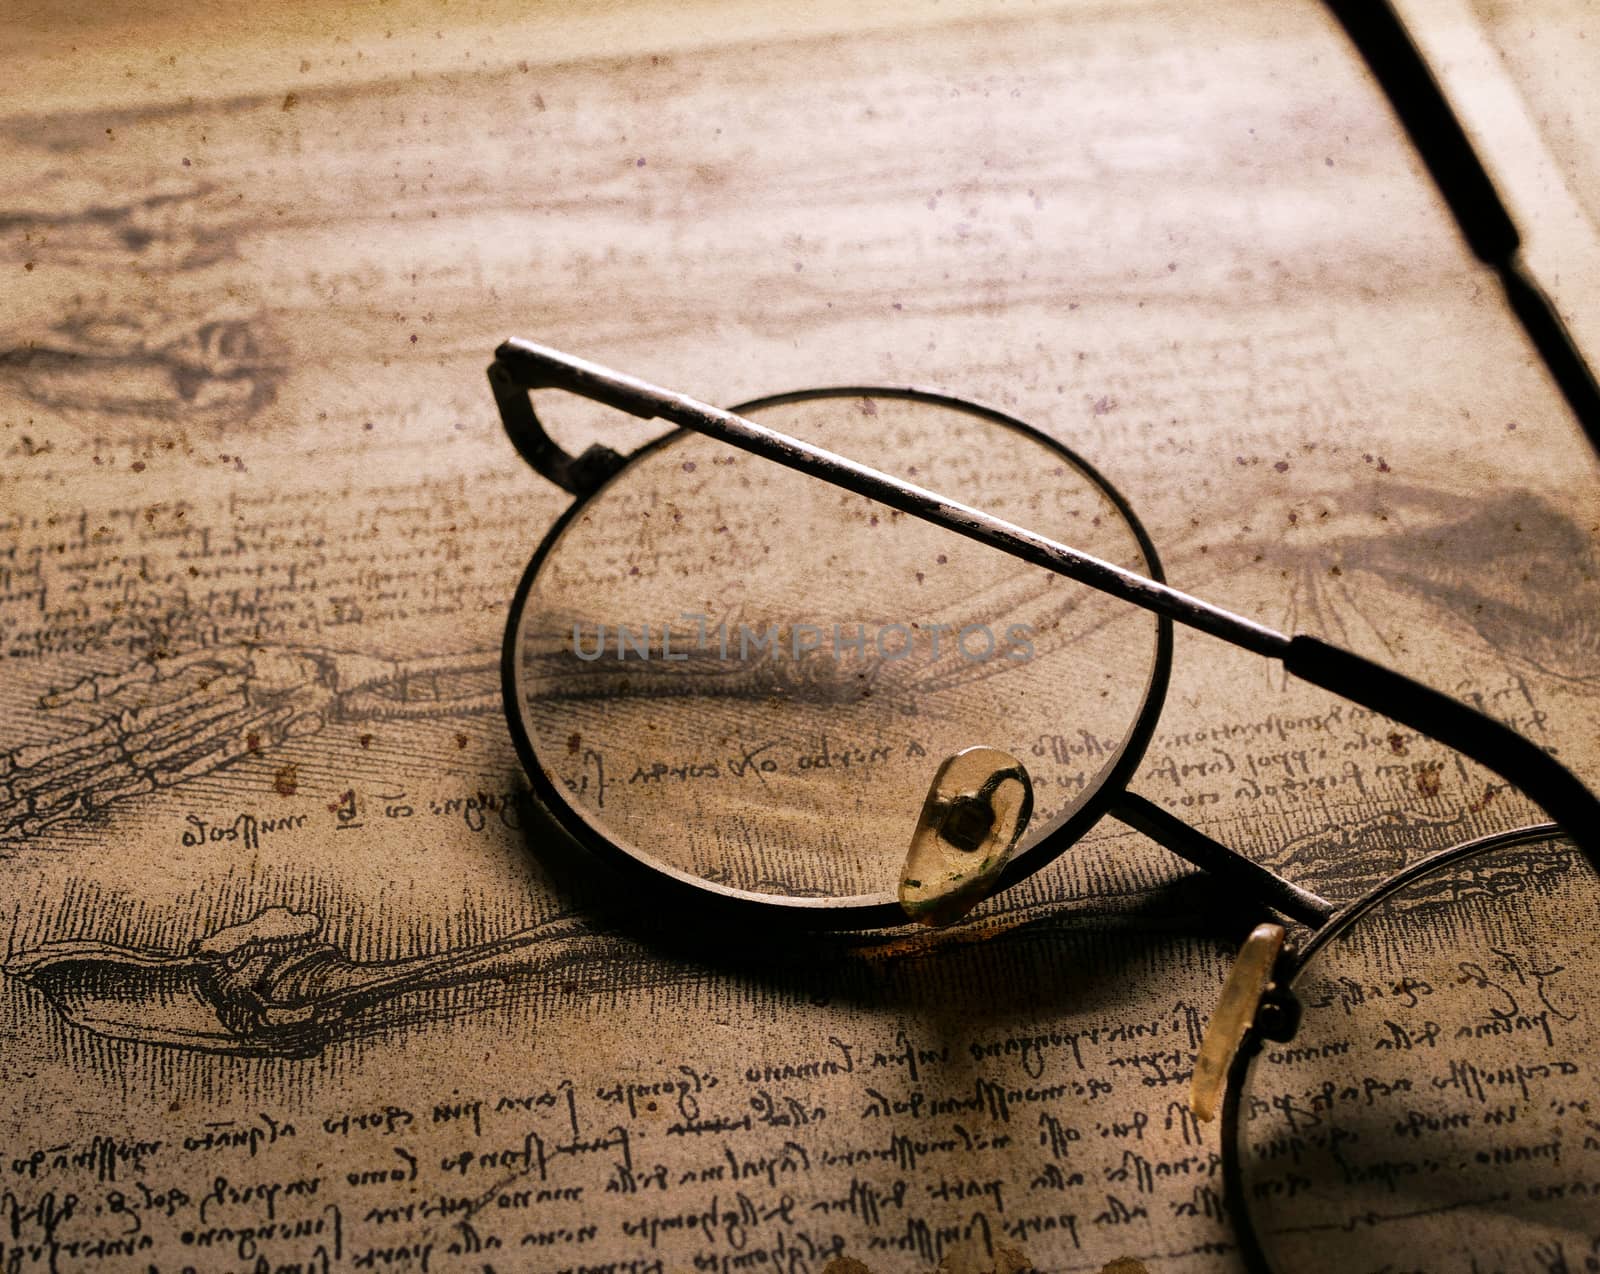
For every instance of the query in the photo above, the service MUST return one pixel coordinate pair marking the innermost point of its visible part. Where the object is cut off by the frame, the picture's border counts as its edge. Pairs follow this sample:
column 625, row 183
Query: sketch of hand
column 162, row 722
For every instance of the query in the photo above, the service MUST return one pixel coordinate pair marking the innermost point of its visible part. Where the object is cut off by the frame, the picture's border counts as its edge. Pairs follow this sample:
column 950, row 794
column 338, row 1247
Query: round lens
column 747, row 678
column 1438, row 1107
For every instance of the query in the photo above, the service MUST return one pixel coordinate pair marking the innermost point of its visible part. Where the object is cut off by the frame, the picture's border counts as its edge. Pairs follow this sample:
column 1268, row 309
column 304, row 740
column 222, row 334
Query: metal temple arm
column 526, row 363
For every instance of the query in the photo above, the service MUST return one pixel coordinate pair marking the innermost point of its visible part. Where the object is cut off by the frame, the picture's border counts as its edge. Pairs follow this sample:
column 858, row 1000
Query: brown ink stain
column 252, row 742
column 1490, row 791
column 1428, row 782
column 286, row 780
column 366, row 740
column 574, row 741
column 1011, row 1260
column 290, row 101
column 1397, row 743
column 461, row 740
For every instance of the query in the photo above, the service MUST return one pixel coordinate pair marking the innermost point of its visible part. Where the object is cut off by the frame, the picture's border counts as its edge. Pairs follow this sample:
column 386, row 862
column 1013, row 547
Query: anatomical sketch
column 272, row 983
column 160, row 723
column 296, row 971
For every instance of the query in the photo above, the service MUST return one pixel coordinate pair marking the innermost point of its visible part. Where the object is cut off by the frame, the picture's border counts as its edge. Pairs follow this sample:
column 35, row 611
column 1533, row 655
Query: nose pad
column 977, row 809
column 1246, row 994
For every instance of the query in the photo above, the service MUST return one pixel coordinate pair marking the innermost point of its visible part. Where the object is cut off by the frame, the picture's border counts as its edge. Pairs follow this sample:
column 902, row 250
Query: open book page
column 295, row 977
column 1552, row 61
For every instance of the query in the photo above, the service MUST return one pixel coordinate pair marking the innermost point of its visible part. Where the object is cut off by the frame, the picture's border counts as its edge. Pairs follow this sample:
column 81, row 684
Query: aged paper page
column 295, row 976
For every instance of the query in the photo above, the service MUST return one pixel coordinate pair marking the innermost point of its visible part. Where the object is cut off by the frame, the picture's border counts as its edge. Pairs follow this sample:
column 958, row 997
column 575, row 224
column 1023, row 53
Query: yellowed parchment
column 259, row 531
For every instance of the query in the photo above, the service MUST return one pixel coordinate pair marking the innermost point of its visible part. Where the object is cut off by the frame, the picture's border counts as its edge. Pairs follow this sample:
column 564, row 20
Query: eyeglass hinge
column 579, row 474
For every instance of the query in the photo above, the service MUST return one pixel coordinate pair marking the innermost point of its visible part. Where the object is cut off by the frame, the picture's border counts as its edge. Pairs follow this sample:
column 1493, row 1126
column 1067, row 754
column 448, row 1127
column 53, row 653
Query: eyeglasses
column 740, row 725
column 737, row 725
